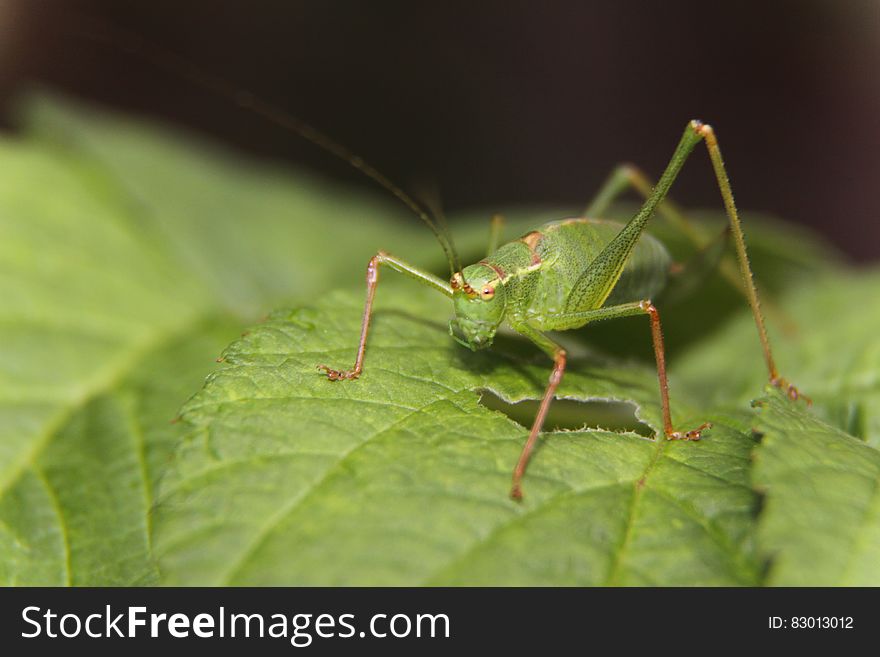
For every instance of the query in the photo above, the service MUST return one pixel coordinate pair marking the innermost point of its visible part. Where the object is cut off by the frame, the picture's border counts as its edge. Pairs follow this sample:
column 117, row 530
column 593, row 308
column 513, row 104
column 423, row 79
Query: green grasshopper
column 563, row 275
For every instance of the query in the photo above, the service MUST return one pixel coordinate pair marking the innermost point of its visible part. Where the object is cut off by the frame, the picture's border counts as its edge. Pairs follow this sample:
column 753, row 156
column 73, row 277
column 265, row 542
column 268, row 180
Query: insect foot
column 695, row 434
column 516, row 493
column 793, row 393
column 339, row 375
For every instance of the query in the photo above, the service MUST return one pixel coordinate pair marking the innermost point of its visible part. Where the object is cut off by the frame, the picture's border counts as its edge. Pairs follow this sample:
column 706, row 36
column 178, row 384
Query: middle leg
column 644, row 307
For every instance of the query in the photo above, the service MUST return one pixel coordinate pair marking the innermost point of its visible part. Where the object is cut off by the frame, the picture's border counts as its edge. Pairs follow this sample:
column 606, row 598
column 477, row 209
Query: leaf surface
column 401, row 477
column 821, row 521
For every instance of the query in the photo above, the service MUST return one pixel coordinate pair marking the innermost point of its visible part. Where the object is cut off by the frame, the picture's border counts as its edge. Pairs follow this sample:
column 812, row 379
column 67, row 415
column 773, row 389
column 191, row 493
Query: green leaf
column 71, row 332
column 401, row 477
column 79, row 510
column 821, row 519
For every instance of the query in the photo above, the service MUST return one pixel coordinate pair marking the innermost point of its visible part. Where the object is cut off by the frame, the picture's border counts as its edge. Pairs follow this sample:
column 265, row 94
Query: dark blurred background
column 504, row 103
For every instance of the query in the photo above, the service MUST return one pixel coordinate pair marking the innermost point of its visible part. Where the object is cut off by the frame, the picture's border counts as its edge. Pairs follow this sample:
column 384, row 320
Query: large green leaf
column 402, row 476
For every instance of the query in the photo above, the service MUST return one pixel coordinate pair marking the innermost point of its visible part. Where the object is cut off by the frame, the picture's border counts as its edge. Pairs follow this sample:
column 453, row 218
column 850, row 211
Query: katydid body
column 567, row 274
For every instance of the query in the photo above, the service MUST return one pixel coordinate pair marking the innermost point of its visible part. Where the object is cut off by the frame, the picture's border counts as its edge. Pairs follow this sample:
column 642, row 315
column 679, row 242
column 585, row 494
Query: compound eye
column 487, row 293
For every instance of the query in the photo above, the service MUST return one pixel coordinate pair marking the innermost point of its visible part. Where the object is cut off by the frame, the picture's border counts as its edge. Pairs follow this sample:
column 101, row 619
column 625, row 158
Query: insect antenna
column 167, row 60
column 429, row 195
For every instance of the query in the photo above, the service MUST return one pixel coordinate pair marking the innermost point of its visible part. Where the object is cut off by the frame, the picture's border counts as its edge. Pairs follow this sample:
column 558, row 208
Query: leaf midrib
column 638, row 487
column 110, row 376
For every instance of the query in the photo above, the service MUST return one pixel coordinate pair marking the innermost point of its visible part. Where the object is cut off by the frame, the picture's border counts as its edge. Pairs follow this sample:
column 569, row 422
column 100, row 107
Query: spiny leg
column 708, row 135
column 496, row 226
column 557, row 353
column 605, row 269
column 629, row 176
column 625, row 177
column 398, row 265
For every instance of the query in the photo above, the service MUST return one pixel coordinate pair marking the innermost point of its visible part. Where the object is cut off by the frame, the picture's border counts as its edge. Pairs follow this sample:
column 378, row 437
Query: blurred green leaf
column 251, row 234
column 86, row 302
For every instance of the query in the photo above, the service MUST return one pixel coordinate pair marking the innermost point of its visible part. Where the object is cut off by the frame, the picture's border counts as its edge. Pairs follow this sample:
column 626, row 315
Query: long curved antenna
column 178, row 65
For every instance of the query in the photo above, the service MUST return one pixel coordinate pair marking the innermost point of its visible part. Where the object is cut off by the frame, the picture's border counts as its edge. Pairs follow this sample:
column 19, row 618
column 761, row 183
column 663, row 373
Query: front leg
column 557, row 353
column 398, row 265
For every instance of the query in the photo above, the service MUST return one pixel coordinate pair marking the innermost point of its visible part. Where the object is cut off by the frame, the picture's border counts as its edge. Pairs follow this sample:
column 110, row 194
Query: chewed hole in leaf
column 570, row 414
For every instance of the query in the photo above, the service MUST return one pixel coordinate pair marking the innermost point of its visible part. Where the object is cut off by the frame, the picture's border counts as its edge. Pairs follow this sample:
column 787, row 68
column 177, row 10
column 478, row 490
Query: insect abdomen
column 645, row 274
column 565, row 250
